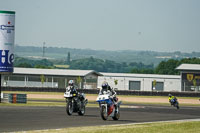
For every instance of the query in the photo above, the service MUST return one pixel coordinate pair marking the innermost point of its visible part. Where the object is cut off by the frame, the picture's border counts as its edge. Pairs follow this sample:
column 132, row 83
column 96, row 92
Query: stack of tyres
column 17, row 98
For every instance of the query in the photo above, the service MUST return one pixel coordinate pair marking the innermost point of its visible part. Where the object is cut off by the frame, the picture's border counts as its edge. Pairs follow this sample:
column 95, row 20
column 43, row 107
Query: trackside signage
column 7, row 34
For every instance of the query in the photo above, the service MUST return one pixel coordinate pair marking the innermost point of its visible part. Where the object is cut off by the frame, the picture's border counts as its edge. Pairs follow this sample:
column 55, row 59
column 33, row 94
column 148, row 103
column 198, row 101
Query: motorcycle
column 174, row 102
column 76, row 102
column 107, row 107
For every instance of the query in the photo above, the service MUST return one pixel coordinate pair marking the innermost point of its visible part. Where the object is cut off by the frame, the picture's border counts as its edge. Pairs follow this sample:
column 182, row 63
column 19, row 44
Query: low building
column 55, row 78
column 190, row 77
column 188, row 80
column 141, row 82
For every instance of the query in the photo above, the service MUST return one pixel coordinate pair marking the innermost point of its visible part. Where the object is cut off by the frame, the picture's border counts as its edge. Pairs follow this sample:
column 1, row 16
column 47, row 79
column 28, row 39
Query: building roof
column 141, row 75
column 191, row 67
column 58, row 72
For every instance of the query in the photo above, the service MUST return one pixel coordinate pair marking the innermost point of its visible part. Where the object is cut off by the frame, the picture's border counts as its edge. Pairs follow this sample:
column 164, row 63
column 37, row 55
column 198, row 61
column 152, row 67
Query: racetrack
column 37, row 118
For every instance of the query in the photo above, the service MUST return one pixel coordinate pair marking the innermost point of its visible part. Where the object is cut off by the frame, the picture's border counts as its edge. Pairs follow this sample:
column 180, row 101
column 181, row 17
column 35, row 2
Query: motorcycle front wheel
column 82, row 110
column 104, row 114
column 69, row 108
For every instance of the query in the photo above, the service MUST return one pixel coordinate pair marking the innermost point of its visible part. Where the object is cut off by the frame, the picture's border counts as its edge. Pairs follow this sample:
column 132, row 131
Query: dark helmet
column 170, row 95
column 104, row 85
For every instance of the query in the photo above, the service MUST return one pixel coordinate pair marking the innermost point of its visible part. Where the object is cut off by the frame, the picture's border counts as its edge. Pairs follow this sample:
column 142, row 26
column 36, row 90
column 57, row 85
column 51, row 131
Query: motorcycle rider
column 171, row 98
column 107, row 88
column 71, row 87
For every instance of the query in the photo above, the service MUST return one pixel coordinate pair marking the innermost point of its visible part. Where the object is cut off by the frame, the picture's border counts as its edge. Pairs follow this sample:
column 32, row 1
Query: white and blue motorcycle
column 108, row 107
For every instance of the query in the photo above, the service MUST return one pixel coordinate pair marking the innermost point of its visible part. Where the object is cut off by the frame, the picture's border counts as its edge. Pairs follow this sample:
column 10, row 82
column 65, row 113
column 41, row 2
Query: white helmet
column 71, row 82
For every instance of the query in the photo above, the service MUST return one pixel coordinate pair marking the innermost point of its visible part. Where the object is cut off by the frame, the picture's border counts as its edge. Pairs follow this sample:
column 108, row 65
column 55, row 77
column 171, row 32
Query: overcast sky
column 158, row 25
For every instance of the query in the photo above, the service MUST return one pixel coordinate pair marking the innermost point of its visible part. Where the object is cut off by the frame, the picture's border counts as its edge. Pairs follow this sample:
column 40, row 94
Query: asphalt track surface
column 39, row 118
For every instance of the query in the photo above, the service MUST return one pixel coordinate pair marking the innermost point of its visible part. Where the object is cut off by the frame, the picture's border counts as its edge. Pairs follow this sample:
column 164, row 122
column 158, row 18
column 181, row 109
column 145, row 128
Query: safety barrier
column 96, row 91
column 17, row 98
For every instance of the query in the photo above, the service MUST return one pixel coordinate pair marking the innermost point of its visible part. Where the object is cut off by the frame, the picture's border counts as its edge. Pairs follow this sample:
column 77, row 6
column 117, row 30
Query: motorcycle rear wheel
column 176, row 105
column 104, row 114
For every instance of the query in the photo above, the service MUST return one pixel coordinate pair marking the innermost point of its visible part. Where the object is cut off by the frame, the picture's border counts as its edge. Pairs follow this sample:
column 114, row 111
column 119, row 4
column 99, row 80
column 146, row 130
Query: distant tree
column 28, row 63
column 42, row 66
column 79, row 80
column 144, row 71
column 106, row 65
column 167, row 67
column 115, row 81
column 42, row 78
column 25, row 65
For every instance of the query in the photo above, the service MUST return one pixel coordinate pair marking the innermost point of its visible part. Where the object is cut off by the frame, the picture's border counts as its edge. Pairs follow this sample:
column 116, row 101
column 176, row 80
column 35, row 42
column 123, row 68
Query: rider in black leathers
column 74, row 91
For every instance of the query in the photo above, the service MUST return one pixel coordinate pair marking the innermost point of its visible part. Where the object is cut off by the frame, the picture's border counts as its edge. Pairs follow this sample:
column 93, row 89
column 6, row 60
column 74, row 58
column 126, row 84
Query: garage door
column 134, row 85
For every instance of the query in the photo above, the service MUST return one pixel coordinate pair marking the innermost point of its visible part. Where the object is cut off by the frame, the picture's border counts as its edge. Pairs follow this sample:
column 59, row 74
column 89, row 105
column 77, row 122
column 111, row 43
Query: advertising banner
column 7, row 36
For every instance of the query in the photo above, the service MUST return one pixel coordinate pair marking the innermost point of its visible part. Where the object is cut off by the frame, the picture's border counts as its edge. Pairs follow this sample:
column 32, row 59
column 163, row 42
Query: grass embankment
column 61, row 66
column 161, row 127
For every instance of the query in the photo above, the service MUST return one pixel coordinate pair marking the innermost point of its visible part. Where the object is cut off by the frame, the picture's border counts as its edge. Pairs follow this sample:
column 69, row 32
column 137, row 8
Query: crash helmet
column 104, row 85
column 170, row 95
column 71, row 82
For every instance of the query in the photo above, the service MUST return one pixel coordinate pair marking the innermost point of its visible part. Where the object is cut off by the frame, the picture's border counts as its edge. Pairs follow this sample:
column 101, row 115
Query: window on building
column 16, row 78
column 134, row 85
column 34, row 78
column 159, row 86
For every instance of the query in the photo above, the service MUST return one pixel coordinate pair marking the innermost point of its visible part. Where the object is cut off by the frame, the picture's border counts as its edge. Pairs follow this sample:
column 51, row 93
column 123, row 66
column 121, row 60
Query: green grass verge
column 166, row 127
column 126, row 96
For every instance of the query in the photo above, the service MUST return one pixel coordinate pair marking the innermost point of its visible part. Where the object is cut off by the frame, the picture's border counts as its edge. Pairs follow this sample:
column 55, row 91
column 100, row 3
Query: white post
column 124, row 83
column 25, row 81
column 52, row 82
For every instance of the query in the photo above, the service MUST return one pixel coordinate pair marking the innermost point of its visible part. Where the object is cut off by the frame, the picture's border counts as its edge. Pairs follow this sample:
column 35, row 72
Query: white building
column 141, row 82
column 188, row 80
column 54, row 78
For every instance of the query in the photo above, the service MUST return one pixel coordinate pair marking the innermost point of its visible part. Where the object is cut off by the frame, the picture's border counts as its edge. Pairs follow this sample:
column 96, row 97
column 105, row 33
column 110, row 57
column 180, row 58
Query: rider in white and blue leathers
column 107, row 88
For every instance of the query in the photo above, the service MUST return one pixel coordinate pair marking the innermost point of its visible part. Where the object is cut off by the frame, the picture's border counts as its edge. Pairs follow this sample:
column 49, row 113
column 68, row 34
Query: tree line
column 168, row 67
column 164, row 67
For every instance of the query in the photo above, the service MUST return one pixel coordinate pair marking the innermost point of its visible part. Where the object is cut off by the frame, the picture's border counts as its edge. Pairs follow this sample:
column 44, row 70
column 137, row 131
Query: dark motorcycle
column 174, row 102
column 76, row 102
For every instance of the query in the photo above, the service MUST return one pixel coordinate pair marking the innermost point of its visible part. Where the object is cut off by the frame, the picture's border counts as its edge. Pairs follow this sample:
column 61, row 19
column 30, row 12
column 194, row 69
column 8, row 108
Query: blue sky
column 156, row 25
